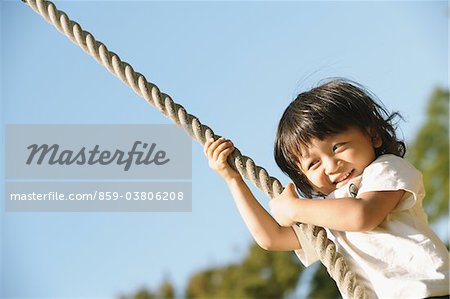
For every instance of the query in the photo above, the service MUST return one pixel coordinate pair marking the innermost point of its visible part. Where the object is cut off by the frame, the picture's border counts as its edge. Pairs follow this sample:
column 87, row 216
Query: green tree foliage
column 261, row 274
column 429, row 152
column 323, row 286
column 165, row 291
column 140, row 294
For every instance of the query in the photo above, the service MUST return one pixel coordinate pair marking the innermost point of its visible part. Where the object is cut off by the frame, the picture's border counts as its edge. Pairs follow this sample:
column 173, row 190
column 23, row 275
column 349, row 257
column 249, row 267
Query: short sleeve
column 391, row 173
column 306, row 254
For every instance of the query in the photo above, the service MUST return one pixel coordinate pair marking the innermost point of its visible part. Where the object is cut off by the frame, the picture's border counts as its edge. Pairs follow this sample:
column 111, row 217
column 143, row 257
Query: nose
column 332, row 164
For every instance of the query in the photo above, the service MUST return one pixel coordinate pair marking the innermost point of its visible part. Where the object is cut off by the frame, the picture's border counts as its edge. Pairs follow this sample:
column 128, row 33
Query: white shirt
column 402, row 257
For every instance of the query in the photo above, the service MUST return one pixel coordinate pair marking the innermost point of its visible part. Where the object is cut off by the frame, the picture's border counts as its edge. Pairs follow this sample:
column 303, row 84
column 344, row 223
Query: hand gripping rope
column 325, row 249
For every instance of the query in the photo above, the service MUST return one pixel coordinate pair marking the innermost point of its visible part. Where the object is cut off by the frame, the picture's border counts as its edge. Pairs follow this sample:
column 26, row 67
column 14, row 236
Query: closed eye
column 313, row 164
column 338, row 147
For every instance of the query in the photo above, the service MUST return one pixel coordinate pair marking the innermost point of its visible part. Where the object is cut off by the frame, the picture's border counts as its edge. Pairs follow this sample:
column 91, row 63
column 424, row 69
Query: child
column 335, row 141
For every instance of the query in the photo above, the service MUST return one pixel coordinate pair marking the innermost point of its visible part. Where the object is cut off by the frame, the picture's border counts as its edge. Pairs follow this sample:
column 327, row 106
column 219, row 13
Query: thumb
column 290, row 188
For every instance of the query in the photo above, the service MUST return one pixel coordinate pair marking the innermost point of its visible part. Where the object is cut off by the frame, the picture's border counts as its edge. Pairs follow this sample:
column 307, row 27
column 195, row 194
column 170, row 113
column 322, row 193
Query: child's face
column 330, row 163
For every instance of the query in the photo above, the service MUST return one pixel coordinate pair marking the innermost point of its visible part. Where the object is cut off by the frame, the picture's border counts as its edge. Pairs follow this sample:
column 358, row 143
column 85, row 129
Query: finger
column 213, row 146
column 216, row 148
column 291, row 189
column 220, row 149
column 206, row 145
column 225, row 153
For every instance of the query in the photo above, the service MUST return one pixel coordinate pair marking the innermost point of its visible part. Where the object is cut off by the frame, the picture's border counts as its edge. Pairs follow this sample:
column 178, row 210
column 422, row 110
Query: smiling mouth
column 345, row 178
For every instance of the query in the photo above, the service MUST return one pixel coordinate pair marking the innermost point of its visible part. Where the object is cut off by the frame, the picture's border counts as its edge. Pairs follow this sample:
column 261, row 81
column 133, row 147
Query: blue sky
column 235, row 65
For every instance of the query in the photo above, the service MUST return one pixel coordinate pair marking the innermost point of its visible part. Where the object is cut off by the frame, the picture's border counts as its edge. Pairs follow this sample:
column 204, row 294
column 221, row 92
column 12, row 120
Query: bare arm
column 345, row 214
column 265, row 230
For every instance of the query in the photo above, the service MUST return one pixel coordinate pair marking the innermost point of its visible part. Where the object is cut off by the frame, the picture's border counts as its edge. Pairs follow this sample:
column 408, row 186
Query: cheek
column 363, row 156
column 319, row 181
column 318, row 178
column 349, row 154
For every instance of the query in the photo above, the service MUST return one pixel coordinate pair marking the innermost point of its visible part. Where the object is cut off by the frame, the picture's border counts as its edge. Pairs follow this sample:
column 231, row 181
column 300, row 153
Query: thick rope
column 326, row 249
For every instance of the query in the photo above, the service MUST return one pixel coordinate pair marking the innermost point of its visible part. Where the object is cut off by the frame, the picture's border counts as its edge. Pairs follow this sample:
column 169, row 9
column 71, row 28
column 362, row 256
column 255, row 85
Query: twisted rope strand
column 326, row 249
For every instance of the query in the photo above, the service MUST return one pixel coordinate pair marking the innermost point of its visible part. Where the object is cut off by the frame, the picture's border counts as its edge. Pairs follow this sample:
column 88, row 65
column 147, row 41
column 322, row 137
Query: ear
column 375, row 138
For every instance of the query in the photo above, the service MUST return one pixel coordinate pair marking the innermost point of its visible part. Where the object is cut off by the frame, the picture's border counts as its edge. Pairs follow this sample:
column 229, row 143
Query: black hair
column 328, row 109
